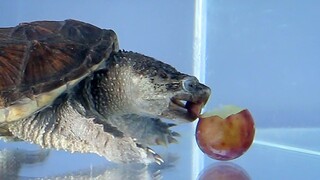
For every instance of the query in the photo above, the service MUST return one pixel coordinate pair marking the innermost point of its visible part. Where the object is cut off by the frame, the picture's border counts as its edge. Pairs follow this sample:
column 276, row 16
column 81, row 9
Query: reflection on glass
column 224, row 171
column 117, row 171
column 11, row 161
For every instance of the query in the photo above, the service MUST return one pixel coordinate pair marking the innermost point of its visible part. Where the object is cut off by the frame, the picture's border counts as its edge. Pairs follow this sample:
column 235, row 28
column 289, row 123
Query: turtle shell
column 41, row 60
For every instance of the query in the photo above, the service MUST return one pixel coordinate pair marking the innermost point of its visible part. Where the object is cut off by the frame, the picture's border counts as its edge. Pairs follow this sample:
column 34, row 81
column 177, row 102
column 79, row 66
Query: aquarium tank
column 259, row 55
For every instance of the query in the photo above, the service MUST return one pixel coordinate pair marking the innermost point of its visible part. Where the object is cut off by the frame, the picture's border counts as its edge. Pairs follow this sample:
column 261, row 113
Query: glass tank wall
column 261, row 55
column 264, row 56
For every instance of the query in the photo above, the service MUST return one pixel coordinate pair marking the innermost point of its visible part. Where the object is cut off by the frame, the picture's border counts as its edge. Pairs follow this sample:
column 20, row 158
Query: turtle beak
column 186, row 105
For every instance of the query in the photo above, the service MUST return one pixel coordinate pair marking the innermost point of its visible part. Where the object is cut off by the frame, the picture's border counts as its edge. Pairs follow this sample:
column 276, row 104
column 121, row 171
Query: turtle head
column 137, row 84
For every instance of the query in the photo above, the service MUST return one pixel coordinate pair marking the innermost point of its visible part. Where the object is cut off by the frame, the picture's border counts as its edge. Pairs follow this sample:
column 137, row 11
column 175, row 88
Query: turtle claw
column 151, row 153
column 167, row 138
column 175, row 134
column 158, row 159
column 161, row 141
column 171, row 125
column 150, row 132
column 172, row 140
column 163, row 135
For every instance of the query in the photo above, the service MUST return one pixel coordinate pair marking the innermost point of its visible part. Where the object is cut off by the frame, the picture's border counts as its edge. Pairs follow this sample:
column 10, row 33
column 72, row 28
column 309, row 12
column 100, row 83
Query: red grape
column 225, row 134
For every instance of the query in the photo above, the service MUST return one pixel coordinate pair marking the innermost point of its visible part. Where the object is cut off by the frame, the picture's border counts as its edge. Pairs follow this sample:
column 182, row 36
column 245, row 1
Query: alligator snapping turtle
column 66, row 85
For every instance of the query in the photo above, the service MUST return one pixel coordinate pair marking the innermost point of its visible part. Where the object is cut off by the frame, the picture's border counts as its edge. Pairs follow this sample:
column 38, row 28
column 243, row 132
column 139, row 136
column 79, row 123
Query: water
column 259, row 55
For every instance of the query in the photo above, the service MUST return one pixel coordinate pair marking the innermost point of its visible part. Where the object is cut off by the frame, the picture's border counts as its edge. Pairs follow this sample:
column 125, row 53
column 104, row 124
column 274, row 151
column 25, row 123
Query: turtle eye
column 190, row 83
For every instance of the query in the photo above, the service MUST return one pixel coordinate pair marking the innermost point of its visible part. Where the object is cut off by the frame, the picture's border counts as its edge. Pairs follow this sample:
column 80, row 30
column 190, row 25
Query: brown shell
column 39, row 57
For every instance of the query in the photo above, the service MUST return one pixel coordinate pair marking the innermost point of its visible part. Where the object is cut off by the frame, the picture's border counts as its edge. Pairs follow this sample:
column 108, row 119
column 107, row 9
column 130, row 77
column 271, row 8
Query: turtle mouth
column 187, row 110
column 188, row 107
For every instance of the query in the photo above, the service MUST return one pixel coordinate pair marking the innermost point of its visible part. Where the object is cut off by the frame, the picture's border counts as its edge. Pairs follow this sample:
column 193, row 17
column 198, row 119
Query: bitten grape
column 225, row 134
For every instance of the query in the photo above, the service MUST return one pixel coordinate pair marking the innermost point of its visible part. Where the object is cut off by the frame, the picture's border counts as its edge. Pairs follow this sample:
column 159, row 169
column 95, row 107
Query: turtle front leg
column 146, row 130
column 62, row 127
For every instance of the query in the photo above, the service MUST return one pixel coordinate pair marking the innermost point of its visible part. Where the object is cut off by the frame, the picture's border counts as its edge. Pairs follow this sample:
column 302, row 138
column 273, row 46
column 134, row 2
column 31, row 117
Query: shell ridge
column 25, row 60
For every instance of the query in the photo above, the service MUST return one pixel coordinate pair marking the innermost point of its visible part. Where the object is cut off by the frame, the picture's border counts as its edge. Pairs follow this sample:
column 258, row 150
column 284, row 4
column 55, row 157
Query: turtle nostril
column 190, row 83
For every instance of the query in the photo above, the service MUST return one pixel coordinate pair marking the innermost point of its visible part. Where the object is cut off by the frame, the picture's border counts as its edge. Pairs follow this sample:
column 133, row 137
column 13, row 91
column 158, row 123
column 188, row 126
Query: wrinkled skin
column 145, row 89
